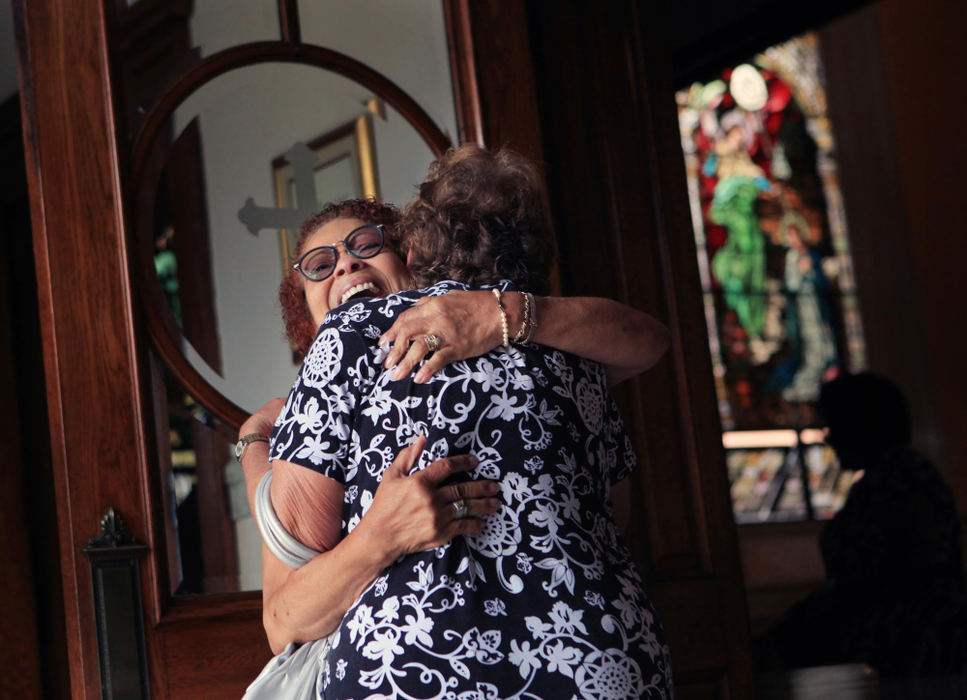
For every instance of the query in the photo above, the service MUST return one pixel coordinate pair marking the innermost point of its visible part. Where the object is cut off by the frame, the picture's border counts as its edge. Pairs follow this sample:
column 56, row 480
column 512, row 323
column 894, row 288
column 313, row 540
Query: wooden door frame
column 90, row 353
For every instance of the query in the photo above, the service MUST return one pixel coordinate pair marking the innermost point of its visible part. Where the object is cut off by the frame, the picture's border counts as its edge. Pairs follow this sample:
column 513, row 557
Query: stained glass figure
column 773, row 257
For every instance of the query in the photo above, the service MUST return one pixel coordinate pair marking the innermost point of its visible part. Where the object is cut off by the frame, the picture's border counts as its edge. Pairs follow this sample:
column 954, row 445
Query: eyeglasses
column 319, row 263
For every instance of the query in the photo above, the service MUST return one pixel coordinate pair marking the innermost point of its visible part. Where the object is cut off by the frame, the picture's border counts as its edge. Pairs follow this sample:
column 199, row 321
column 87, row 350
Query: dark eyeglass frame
column 335, row 251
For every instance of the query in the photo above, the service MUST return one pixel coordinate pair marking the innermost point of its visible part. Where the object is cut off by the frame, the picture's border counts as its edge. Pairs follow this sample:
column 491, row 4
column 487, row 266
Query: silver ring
column 432, row 341
column 461, row 509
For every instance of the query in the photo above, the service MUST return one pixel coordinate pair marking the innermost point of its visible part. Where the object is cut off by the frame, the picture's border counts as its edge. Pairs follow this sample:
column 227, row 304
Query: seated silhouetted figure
column 895, row 596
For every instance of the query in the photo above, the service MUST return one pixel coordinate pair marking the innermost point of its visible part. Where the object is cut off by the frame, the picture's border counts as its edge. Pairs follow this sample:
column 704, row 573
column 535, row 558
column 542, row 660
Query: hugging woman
column 538, row 422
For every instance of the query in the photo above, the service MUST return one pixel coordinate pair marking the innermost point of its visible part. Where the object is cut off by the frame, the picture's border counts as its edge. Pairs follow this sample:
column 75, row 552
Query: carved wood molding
column 463, row 68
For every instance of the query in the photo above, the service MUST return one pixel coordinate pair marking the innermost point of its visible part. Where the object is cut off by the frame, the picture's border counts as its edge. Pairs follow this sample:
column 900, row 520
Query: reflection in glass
column 230, row 151
column 213, row 543
column 250, row 20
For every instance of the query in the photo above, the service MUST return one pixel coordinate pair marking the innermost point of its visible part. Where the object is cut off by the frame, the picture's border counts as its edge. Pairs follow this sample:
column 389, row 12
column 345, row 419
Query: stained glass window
column 776, row 272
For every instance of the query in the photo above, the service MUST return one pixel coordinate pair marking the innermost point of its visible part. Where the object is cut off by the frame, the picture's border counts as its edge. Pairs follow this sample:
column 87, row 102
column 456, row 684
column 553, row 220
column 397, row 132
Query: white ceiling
column 8, row 52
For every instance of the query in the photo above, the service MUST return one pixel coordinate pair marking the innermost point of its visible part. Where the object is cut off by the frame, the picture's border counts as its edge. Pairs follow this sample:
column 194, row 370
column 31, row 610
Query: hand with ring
column 421, row 510
column 460, row 509
column 451, row 326
column 433, row 342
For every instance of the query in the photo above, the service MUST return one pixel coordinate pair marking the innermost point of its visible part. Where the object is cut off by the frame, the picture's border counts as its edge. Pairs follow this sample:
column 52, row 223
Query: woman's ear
column 409, row 257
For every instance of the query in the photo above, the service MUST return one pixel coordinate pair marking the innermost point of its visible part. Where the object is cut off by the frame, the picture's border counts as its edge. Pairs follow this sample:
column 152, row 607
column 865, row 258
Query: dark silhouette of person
column 895, row 595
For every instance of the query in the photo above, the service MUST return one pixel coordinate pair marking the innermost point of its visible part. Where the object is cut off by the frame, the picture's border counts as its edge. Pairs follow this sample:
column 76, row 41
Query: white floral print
column 545, row 602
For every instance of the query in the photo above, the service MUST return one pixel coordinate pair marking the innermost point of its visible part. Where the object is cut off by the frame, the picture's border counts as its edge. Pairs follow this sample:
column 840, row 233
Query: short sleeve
column 315, row 426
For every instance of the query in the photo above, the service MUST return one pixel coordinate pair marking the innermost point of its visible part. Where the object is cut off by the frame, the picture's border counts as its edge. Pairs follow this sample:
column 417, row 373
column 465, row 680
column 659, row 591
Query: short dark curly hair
column 292, row 297
column 479, row 218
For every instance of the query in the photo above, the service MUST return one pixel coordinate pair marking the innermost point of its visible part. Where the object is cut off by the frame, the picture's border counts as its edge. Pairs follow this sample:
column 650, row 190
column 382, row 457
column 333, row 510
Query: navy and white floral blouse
column 546, row 602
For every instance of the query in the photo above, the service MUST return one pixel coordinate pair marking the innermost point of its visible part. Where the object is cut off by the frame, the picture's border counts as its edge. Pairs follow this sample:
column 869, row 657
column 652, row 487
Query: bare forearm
column 625, row 340
column 255, row 456
column 255, row 462
column 308, row 603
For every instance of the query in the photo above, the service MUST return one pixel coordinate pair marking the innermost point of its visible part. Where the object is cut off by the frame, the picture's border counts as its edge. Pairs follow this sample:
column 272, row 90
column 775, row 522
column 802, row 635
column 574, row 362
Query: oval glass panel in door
column 251, row 154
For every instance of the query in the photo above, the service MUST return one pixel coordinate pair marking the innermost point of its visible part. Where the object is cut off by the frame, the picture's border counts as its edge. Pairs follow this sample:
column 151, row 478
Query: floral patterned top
column 545, row 602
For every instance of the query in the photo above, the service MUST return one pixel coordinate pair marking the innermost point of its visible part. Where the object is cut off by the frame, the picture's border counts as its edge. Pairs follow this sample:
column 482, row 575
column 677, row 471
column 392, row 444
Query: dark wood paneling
column 782, row 565
column 95, row 357
column 495, row 55
column 151, row 43
column 879, row 232
column 207, row 663
column 463, row 69
column 20, row 652
column 289, row 26
column 607, row 130
column 606, row 229
column 924, row 57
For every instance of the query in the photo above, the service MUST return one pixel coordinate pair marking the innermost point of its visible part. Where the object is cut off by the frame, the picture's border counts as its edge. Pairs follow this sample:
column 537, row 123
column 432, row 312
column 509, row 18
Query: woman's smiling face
column 382, row 274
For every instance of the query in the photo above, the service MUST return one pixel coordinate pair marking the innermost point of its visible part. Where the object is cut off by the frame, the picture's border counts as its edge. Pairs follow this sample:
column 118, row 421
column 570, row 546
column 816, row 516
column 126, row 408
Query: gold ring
column 432, row 341
column 461, row 509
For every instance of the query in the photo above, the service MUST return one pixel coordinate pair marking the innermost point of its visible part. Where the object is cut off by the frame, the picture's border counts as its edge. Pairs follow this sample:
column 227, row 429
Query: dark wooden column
column 84, row 296
column 24, row 446
column 588, row 90
column 493, row 75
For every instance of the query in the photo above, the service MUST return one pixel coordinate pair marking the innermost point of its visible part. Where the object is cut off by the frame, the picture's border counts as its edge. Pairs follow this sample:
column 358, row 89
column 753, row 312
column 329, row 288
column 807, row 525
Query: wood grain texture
column 879, row 229
column 506, row 84
column 463, row 69
column 203, row 663
column 289, row 26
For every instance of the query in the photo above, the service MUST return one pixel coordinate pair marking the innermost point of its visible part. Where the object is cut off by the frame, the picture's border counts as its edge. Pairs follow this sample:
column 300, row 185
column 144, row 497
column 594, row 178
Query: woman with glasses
column 337, row 491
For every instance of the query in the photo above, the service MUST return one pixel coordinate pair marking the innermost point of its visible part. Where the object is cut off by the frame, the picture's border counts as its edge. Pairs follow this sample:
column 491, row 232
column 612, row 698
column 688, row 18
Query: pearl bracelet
column 503, row 316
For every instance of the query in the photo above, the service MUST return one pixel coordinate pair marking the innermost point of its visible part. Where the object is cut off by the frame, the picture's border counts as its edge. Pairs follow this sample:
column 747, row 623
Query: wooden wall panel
column 606, row 221
column 879, row 231
column 924, row 58
column 490, row 53
column 208, row 664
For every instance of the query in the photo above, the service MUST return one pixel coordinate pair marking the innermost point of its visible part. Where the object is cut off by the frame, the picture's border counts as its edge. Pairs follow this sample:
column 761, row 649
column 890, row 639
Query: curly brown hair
column 479, row 218
column 299, row 326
